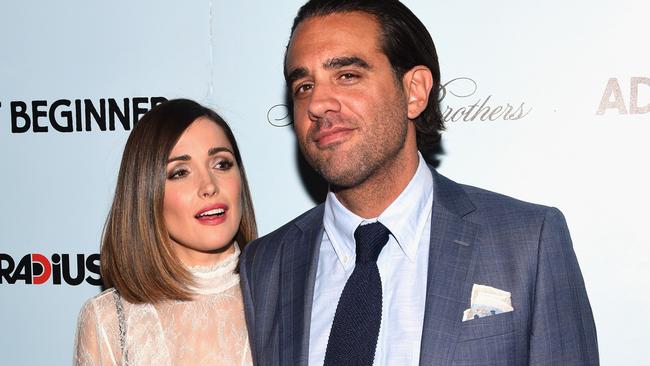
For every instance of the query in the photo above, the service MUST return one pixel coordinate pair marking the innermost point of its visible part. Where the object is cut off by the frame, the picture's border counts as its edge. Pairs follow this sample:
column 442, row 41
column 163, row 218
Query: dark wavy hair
column 406, row 42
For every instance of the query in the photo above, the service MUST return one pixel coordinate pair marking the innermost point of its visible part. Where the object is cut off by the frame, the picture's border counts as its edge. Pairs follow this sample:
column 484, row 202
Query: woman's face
column 202, row 204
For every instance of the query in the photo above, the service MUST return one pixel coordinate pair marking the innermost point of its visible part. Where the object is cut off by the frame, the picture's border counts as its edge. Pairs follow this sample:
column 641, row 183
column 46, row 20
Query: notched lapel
column 452, row 254
column 297, row 278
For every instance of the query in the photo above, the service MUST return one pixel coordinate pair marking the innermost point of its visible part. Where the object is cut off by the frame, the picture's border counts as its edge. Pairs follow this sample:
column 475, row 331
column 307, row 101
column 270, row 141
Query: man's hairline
column 381, row 42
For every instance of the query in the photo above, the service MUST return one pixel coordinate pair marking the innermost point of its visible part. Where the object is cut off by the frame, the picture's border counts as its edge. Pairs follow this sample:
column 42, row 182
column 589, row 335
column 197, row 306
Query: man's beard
column 376, row 151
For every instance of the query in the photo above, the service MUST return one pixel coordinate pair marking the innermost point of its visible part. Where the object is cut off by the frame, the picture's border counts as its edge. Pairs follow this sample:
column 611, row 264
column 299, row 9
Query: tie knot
column 370, row 240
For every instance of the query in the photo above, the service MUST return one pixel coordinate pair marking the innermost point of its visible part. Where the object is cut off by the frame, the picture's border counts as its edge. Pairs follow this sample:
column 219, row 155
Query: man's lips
column 323, row 138
column 213, row 214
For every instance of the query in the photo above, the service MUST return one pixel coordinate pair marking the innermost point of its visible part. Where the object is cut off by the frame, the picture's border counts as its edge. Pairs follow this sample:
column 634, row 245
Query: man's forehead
column 332, row 38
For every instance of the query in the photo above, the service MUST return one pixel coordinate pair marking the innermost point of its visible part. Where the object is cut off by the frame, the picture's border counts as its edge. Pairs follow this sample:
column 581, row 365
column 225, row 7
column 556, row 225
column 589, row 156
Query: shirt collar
column 405, row 217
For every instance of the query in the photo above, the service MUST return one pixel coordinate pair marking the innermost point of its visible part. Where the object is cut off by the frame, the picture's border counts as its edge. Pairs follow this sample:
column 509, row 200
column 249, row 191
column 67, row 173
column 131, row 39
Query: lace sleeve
column 91, row 346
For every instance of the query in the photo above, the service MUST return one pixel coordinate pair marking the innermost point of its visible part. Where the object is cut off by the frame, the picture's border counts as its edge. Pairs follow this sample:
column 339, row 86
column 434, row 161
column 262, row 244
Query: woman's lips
column 212, row 215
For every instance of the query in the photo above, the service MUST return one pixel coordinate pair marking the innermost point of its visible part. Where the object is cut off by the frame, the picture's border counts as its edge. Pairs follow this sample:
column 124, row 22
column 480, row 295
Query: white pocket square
column 487, row 301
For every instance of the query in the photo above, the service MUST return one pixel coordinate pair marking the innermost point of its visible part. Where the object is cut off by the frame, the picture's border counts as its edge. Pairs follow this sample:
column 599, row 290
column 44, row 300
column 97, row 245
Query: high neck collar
column 217, row 277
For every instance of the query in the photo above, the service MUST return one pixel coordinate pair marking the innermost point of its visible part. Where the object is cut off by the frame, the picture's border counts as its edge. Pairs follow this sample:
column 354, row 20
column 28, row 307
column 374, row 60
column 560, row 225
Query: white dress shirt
column 402, row 267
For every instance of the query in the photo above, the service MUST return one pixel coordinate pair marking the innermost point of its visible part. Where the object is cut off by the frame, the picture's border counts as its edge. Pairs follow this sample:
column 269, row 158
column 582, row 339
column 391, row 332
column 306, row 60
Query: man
column 400, row 265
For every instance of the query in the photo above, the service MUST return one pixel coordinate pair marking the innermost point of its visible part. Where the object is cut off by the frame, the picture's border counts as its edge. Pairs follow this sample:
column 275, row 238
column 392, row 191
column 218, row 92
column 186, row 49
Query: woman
column 181, row 213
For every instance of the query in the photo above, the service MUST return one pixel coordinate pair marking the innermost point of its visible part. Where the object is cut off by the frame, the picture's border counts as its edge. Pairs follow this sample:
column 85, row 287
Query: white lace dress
column 209, row 330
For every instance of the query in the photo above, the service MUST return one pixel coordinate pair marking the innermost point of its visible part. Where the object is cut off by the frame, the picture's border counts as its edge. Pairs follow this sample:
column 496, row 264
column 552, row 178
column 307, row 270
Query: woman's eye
column 178, row 173
column 224, row 164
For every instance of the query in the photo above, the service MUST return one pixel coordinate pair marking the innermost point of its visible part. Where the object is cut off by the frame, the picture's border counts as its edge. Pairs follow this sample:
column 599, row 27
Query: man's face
column 350, row 112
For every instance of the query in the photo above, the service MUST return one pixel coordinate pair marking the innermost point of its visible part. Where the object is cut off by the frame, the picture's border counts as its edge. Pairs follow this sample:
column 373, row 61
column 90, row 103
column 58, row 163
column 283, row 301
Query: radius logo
column 37, row 269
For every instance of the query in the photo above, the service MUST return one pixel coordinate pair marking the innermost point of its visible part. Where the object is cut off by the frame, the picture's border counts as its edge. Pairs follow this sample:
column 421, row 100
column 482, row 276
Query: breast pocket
column 487, row 326
column 487, row 341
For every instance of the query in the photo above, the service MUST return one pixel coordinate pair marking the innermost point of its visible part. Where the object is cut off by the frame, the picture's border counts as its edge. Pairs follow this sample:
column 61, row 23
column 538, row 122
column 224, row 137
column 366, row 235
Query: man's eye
column 178, row 174
column 303, row 88
column 348, row 75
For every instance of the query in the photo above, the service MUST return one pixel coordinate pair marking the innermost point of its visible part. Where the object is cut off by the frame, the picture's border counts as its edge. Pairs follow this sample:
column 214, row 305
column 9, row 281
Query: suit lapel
column 297, row 279
column 451, row 258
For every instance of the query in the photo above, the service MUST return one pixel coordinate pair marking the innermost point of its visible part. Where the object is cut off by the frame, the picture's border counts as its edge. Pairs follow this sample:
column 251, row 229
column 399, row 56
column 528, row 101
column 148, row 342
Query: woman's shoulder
column 96, row 305
column 106, row 306
column 96, row 314
column 102, row 299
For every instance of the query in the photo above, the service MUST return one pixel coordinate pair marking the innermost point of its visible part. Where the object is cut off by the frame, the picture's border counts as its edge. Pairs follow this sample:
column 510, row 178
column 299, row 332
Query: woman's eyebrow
column 215, row 150
column 180, row 157
column 212, row 151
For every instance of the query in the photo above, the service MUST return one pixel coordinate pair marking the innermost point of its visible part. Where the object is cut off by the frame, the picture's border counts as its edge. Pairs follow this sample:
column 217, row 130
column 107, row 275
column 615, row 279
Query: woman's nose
column 209, row 185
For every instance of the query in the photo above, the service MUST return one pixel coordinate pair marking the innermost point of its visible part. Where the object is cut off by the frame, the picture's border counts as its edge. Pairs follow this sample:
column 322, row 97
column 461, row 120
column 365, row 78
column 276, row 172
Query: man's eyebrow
column 339, row 62
column 296, row 74
column 332, row 63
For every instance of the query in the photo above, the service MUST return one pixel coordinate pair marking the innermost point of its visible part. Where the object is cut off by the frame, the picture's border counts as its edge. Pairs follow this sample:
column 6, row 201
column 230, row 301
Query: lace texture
column 209, row 330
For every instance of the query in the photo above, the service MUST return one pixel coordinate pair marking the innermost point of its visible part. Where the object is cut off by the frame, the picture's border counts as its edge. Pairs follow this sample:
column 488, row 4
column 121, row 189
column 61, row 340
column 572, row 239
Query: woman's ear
column 418, row 82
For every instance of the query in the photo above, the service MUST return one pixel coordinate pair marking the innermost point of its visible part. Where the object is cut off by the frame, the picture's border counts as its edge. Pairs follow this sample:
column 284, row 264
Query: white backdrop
column 577, row 74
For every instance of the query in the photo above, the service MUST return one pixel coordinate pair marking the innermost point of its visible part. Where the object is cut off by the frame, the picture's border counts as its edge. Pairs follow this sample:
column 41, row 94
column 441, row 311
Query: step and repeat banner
column 548, row 102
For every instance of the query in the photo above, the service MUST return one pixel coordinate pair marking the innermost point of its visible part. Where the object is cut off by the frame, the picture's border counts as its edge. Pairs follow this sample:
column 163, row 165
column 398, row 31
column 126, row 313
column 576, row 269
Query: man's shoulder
column 484, row 198
column 498, row 209
column 513, row 227
column 463, row 198
column 309, row 218
column 488, row 207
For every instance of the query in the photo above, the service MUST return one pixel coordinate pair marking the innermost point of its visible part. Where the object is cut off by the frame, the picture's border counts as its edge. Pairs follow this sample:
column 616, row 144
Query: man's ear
column 417, row 83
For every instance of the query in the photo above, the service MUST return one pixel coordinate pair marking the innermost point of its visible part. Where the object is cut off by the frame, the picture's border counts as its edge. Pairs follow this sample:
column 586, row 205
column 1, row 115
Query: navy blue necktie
column 353, row 338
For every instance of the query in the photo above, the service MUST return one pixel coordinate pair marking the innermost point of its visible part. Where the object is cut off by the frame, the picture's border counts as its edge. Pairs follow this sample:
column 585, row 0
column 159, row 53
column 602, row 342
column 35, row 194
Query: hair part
column 406, row 42
column 137, row 257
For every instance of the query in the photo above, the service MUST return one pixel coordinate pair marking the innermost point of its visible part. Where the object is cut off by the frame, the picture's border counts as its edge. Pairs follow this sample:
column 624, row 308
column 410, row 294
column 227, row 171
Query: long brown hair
column 137, row 258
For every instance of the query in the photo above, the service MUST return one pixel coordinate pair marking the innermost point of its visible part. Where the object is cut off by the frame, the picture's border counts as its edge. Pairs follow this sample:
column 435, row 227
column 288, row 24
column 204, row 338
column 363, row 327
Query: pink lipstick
column 212, row 215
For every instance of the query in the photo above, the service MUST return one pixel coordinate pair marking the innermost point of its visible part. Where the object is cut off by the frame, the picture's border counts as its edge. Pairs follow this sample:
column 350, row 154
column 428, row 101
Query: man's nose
column 323, row 99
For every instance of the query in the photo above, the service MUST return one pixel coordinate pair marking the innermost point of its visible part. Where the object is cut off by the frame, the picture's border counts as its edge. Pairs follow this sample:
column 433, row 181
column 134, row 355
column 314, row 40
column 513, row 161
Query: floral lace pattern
column 209, row 330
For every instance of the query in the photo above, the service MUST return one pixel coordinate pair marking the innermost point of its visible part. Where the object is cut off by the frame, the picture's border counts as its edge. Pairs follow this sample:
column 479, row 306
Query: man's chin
column 342, row 179
column 333, row 168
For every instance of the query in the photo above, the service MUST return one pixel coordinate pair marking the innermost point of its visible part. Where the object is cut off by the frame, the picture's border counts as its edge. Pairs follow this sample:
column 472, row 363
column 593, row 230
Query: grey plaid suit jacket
column 476, row 237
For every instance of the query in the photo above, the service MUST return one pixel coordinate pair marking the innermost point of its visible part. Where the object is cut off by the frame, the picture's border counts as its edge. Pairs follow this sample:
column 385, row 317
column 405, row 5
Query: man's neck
column 370, row 198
